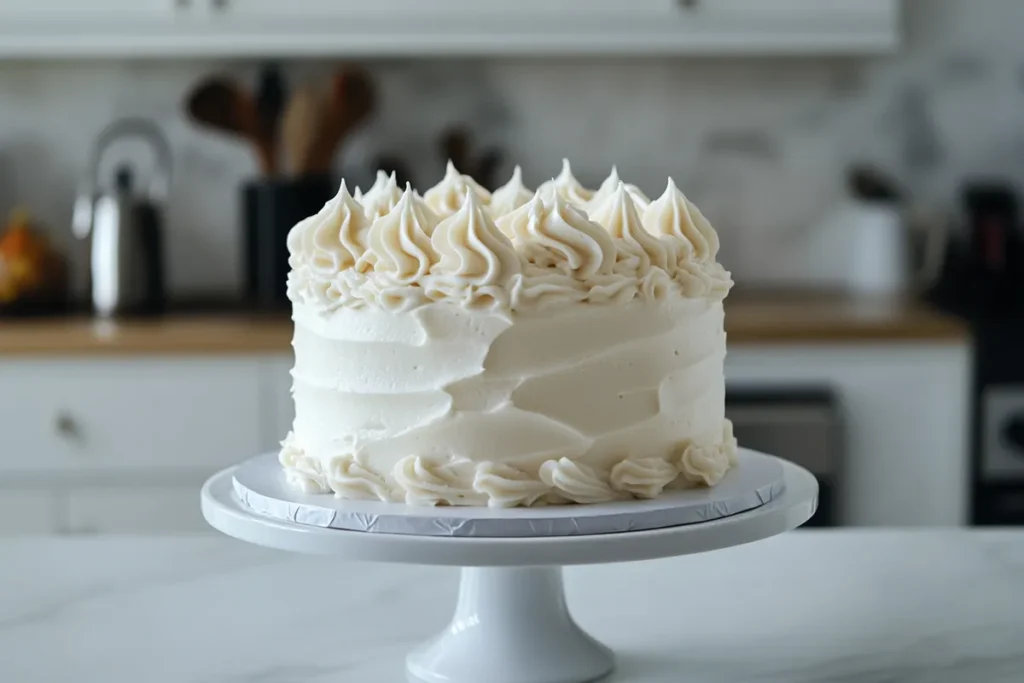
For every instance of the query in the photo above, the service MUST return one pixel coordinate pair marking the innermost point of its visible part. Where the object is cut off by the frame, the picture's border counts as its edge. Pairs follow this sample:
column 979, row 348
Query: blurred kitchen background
column 862, row 161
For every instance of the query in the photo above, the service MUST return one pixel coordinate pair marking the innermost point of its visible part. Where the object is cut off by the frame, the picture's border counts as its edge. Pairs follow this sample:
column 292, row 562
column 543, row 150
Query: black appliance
column 983, row 283
column 800, row 424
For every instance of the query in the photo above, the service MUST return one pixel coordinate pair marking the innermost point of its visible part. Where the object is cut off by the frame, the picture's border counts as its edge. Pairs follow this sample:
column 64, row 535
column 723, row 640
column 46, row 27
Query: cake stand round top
column 796, row 504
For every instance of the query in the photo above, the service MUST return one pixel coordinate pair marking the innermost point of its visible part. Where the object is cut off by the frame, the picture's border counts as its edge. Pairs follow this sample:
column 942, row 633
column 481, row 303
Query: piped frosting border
column 512, row 251
column 423, row 481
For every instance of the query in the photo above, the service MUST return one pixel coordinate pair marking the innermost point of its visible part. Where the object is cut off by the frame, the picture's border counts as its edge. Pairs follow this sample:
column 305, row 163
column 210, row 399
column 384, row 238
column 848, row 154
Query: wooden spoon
column 300, row 128
column 222, row 105
column 351, row 100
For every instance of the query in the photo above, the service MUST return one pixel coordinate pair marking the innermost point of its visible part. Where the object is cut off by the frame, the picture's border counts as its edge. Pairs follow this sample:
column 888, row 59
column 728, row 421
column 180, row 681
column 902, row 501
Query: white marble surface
column 837, row 607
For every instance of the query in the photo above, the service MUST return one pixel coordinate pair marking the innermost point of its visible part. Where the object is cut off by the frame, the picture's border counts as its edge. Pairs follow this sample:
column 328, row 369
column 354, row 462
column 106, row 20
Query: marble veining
column 845, row 606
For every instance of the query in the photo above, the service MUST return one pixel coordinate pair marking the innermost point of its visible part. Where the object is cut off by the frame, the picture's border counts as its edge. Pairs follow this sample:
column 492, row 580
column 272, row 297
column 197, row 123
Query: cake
column 510, row 349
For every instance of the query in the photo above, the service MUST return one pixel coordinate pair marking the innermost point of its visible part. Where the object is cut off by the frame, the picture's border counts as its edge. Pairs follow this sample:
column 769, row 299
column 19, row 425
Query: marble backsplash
column 761, row 145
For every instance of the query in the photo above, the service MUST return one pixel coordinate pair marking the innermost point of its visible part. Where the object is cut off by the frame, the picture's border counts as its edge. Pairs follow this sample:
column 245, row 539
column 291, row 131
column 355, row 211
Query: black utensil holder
column 270, row 208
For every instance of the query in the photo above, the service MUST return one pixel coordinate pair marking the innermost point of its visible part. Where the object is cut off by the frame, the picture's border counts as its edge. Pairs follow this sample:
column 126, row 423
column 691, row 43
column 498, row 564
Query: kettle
column 124, row 225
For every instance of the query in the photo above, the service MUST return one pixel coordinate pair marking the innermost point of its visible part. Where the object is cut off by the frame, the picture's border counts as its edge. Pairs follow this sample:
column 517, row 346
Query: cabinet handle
column 689, row 4
column 219, row 5
column 66, row 426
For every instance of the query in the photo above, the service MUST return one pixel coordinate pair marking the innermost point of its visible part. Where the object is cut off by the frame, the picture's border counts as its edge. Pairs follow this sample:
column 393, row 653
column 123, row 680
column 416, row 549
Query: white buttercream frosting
column 399, row 245
column 555, row 234
column 566, row 186
column 674, row 215
column 449, row 194
column 639, row 249
column 382, row 197
column 610, row 186
column 544, row 356
column 510, row 196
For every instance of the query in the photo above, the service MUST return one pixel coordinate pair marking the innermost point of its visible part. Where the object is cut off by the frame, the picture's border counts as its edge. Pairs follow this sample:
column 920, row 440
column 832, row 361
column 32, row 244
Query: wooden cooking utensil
column 271, row 96
column 300, row 128
column 222, row 105
column 351, row 100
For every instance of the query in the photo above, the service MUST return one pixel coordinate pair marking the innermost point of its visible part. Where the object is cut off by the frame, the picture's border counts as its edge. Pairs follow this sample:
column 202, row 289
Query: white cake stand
column 511, row 623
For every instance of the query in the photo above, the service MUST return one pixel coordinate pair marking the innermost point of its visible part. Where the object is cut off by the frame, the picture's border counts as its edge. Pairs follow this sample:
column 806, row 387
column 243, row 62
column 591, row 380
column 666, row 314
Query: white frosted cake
column 514, row 349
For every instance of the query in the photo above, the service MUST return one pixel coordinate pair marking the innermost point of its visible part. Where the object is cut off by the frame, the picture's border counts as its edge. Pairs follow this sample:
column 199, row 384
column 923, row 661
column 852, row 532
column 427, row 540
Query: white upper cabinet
column 189, row 28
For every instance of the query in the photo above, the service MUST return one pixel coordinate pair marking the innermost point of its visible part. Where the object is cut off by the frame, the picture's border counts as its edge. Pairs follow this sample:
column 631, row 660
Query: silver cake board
column 260, row 485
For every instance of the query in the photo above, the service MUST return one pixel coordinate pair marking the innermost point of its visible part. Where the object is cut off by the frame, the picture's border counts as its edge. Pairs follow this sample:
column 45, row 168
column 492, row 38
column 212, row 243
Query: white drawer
column 142, row 509
column 28, row 512
column 97, row 416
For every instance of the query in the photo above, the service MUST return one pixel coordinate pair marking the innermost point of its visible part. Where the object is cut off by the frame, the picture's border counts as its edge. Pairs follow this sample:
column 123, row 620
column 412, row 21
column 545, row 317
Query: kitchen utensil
column 457, row 146
column 391, row 164
column 992, row 219
column 223, row 106
column 271, row 98
column 270, row 207
column 124, row 225
column 866, row 245
column 300, row 127
column 351, row 101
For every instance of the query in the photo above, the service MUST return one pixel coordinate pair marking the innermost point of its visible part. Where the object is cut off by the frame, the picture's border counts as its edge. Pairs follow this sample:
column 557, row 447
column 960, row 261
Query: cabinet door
column 142, row 509
column 27, row 512
column 94, row 13
column 100, row 417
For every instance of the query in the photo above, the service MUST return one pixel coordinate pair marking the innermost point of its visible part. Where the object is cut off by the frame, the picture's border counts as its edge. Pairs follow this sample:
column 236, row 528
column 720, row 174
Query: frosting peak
column 382, row 197
column 399, row 242
column 673, row 214
column 556, row 234
column 510, row 196
column 448, row 196
column 609, row 187
column 619, row 216
column 333, row 239
column 472, row 250
column 566, row 185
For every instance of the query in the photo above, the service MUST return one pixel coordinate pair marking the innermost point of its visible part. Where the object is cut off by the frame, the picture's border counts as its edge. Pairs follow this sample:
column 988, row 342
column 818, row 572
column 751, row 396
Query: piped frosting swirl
column 394, row 251
column 510, row 196
column 566, row 186
column 448, row 196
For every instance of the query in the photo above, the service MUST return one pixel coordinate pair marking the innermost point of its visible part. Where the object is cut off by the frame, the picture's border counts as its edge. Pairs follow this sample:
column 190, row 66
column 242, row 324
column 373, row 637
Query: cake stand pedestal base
column 513, row 624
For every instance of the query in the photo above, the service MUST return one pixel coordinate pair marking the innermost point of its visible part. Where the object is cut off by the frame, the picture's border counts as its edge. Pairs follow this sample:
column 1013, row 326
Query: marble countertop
column 844, row 606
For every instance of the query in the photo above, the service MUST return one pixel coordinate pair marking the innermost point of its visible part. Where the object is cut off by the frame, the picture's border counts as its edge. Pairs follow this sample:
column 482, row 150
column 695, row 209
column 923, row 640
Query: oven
column 800, row 424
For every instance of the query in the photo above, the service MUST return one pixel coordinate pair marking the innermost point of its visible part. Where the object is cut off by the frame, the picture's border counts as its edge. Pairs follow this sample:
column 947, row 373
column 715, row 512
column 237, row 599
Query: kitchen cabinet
column 193, row 28
column 124, row 445
column 906, row 414
column 124, row 416
column 138, row 509
column 28, row 511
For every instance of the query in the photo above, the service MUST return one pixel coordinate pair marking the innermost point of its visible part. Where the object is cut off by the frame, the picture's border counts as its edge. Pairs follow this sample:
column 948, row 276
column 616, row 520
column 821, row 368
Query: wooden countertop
column 750, row 319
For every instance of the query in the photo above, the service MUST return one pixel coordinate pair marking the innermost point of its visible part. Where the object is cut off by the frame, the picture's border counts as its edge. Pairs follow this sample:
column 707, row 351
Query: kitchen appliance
column 123, row 222
column 983, row 283
column 270, row 208
column 872, row 245
column 801, row 424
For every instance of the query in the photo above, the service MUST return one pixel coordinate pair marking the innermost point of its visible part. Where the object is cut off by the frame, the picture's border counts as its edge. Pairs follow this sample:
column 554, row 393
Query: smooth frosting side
column 457, row 406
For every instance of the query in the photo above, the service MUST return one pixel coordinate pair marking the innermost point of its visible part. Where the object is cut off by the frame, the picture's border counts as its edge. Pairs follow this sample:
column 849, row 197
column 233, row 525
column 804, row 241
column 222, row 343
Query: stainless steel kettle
column 124, row 225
